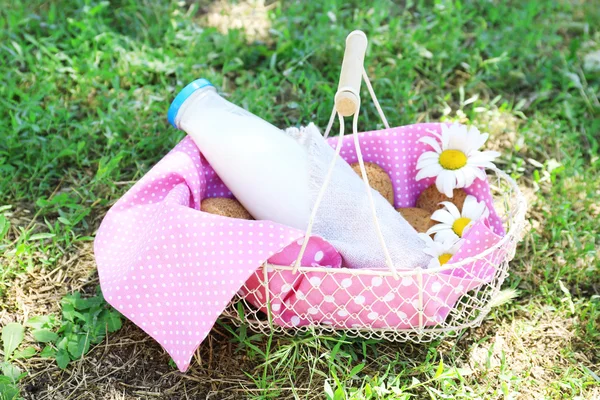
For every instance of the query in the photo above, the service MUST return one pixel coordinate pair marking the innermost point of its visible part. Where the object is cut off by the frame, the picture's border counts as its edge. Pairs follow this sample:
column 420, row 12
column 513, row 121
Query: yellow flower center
column 453, row 159
column 444, row 258
column 459, row 225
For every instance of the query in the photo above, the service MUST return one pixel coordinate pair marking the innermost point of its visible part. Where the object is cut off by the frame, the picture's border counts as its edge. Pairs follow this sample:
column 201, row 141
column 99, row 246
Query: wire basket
column 410, row 305
column 418, row 317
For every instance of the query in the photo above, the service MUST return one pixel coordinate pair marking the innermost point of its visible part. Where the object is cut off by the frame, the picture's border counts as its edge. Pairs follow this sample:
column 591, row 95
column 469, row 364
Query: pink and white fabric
column 173, row 269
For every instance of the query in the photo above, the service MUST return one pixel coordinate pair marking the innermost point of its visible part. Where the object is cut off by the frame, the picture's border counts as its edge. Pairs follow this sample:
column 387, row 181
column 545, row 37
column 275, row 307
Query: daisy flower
column 441, row 252
column 456, row 161
column 453, row 224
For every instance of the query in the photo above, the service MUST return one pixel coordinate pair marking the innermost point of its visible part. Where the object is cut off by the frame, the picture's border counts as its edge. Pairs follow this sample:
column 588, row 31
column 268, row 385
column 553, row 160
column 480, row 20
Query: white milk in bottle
column 247, row 153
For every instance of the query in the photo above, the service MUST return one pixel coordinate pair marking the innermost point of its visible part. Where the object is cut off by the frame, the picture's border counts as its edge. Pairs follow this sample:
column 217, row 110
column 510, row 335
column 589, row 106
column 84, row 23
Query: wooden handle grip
column 347, row 98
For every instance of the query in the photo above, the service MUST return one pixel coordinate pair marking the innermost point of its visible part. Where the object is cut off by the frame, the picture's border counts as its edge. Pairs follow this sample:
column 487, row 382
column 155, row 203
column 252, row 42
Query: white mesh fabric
column 344, row 217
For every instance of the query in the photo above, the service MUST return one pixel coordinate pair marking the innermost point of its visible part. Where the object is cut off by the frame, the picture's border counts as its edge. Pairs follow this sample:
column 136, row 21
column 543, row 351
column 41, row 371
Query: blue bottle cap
column 183, row 95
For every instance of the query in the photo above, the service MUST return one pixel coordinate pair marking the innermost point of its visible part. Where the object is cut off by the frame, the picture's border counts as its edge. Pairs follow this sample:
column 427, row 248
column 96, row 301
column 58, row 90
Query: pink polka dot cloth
column 172, row 269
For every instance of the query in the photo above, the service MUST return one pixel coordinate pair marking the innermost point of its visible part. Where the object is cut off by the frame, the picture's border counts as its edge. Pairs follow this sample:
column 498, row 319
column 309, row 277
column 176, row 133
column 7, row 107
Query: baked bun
column 431, row 198
column 417, row 218
column 378, row 179
column 225, row 207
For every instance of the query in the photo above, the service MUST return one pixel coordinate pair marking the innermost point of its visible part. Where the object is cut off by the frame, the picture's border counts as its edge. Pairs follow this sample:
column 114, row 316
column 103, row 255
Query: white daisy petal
column 454, row 248
column 438, row 183
column 472, row 134
column 426, row 238
column 458, row 138
column 452, row 209
column 461, row 179
column 480, row 158
column 474, row 214
column 480, row 141
column 474, row 210
column 429, row 172
column 467, row 227
column 446, row 235
column 469, row 176
column 480, row 210
column 474, row 138
column 437, row 228
column 448, row 186
column 434, row 263
column 435, row 133
column 479, row 173
column 431, row 252
column 469, row 204
column 442, row 216
column 445, row 182
column 422, row 163
column 429, row 155
column 485, row 164
column 431, row 142
column 445, row 138
column 485, row 213
column 488, row 155
column 454, row 141
column 428, row 164
column 462, row 144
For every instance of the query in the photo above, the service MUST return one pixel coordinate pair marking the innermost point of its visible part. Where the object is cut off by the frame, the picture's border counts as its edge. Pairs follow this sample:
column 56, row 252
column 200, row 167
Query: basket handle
column 347, row 97
column 347, row 103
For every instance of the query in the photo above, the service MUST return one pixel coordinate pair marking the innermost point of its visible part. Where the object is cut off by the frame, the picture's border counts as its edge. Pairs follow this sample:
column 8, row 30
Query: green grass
column 83, row 102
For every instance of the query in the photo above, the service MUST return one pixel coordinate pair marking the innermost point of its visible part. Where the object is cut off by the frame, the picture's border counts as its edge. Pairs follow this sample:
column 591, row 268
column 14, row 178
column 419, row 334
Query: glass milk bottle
column 247, row 153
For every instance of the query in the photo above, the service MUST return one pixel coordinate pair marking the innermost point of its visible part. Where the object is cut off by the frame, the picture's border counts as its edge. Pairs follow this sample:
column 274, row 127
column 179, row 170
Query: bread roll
column 225, row 207
column 431, row 198
column 418, row 218
column 378, row 179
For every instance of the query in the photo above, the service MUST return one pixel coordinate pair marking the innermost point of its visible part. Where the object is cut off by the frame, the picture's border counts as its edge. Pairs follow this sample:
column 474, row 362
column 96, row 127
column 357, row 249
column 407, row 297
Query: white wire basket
column 467, row 311
column 416, row 305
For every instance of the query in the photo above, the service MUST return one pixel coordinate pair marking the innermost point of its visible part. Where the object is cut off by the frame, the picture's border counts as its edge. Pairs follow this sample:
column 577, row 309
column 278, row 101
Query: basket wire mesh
column 259, row 303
